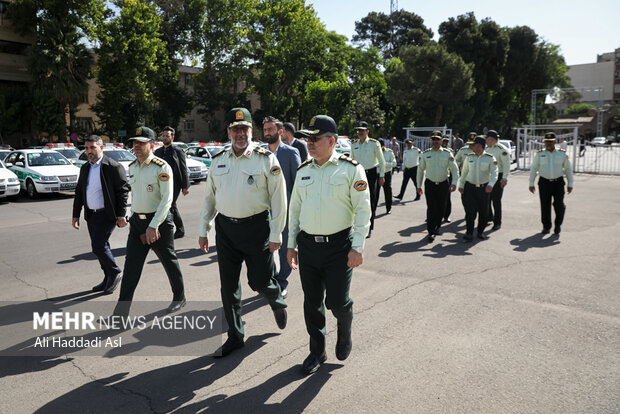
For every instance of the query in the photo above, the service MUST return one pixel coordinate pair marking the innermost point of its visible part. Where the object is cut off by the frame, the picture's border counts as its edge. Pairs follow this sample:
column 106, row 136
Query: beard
column 271, row 139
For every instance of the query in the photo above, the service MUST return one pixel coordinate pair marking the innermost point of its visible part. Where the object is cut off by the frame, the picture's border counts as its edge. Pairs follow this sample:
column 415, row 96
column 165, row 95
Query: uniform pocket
column 338, row 185
column 253, row 178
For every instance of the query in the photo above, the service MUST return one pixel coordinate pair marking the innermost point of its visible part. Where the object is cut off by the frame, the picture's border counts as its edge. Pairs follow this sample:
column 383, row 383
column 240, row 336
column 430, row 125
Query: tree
column 429, row 77
column 389, row 33
column 580, row 108
column 133, row 62
column 58, row 61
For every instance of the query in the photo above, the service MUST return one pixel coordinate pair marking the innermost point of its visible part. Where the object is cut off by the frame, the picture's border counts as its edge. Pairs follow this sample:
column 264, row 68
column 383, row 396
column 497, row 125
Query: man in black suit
column 175, row 157
column 289, row 138
column 102, row 190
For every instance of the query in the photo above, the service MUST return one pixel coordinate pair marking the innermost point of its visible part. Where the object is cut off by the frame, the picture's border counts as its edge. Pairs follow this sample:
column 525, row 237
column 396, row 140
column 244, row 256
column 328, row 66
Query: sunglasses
column 314, row 138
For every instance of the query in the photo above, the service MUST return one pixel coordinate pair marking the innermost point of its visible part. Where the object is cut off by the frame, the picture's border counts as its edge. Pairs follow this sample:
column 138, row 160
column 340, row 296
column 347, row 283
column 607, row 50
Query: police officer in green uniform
column 411, row 160
column 329, row 217
column 151, row 225
column 551, row 164
column 437, row 163
column 446, row 215
column 500, row 152
column 464, row 151
column 477, row 180
column 390, row 163
column 246, row 189
column 367, row 151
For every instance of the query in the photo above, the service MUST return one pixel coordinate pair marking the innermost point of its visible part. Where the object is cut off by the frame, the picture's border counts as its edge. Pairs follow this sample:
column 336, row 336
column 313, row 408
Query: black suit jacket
column 179, row 171
column 114, row 185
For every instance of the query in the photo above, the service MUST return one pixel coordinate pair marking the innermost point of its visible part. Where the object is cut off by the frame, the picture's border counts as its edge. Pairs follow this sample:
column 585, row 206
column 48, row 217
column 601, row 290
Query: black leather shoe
column 280, row 315
column 497, row 226
column 176, row 305
column 545, row 231
column 284, row 293
column 100, row 287
column 557, row 230
column 179, row 234
column 431, row 238
column 398, row 197
column 368, row 236
column 482, row 236
column 229, row 346
column 417, row 198
column 388, row 211
column 112, row 284
column 447, row 220
column 467, row 237
column 312, row 363
column 343, row 347
column 437, row 232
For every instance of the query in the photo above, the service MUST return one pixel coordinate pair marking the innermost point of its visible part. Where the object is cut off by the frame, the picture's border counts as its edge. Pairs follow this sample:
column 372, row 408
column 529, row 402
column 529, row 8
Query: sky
column 583, row 29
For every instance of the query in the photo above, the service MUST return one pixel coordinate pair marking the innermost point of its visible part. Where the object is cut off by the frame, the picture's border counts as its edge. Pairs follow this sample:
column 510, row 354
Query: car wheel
column 31, row 190
column 13, row 198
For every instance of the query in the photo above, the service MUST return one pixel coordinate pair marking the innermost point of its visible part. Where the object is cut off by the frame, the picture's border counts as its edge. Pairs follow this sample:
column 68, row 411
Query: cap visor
column 242, row 123
column 302, row 133
column 140, row 139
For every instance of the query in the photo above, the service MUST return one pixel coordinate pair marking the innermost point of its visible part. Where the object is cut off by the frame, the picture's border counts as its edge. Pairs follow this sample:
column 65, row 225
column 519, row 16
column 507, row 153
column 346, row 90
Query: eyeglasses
column 314, row 138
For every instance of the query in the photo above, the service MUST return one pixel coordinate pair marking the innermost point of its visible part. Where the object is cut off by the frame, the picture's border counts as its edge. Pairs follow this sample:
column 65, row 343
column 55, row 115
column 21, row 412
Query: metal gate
column 421, row 135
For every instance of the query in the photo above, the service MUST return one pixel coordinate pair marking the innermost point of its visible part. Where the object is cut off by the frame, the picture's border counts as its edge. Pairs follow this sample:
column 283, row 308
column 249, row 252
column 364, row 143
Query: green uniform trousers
column 137, row 252
column 236, row 241
column 324, row 272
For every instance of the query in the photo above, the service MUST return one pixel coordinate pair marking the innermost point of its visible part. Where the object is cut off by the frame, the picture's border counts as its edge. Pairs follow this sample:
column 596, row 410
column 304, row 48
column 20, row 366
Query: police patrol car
column 66, row 149
column 118, row 154
column 203, row 153
column 42, row 171
column 9, row 184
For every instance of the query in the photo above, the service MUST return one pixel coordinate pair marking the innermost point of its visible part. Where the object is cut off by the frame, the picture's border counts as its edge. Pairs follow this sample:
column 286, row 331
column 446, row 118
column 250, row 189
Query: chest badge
column 250, row 180
column 149, row 188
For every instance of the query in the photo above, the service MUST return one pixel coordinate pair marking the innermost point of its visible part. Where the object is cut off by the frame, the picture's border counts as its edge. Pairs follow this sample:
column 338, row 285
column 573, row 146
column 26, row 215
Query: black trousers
column 137, row 252
column 238, row 242
column 446, row 214
column 373, row 186
column 325, row 274
column 387, row 190
column 436, row 197
column 409, row 174
column 100, row 228
column 176, row 216
column 476, row 201
column 495, row 202
column 548, row 191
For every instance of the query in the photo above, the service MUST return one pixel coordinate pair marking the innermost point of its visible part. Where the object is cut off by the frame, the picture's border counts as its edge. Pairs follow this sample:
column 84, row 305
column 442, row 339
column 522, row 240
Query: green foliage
column 581, row 108
column 133, row 63
column 389, row 33
column 429, row 77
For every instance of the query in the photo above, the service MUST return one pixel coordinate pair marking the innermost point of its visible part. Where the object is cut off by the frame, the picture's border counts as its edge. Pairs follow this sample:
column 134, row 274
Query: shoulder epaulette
column 540, row 150
column 158, row 161
column 349, row 159
column 372, row 139
column 261, row 150
column 486, row 153
column 308, row 161
column 472, row 153
column 428, row 149
column 563, row 150
column 389, row 149
column 416, row 148
column 217, row 154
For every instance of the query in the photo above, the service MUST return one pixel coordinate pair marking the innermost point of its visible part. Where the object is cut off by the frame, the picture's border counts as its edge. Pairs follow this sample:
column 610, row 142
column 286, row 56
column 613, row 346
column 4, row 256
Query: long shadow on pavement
column 535, row 241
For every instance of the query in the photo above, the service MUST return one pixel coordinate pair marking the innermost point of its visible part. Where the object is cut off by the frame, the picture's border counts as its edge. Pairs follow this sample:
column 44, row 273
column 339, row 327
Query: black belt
column 326, row 239
column 477, row 185
column 143, row 216
column 234, row 220
column 436, row 182
column 551, row 180
column 370, row 169
column 96, row 210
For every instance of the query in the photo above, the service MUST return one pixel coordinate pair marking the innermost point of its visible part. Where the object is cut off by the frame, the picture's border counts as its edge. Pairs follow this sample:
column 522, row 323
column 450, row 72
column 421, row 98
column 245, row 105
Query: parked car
column 596, row 141
column 513, row 151
column 9, row 183
column 119, row 155
column 196, row 171
column 42, row 171
column 67, row 150
column 343, row 146
column 4, row 153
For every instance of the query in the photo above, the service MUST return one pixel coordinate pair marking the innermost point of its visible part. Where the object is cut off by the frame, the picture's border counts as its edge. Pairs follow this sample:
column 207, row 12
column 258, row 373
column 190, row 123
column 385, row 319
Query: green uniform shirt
column 479, row 169
column 151, row 188
column 502, row 156
column 369, row 154
column 390, row 160
column 551, row 165
column 329, row 198
column 461, row 154
column 438, row 165
column 243, row 186
column 411, row 157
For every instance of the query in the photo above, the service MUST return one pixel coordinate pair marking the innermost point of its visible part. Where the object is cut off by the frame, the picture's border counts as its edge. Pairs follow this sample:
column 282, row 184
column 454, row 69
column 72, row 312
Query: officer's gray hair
column 94, row 138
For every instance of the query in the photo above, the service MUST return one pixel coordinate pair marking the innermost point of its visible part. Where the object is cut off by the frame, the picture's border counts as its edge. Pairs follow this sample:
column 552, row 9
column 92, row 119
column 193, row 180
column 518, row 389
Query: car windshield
column 2, row 165
column 121, row 155
column 214, row 150
column 38, row 159
column 3, row 155
column 69, row 152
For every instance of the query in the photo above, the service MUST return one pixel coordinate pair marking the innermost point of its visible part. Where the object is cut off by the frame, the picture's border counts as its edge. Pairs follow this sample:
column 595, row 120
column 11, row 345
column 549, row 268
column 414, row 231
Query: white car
column 9, row 184
column 598, row 141
column 511, row 149
column 42, row 171
column 196, row 170
column 343, row 146
column 122, row 156
column 203, row 153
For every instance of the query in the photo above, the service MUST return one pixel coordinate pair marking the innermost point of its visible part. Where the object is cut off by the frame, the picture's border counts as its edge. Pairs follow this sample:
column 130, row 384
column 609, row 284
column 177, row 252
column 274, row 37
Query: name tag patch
column 360, row 185
column 305, row 178
column 221, row 166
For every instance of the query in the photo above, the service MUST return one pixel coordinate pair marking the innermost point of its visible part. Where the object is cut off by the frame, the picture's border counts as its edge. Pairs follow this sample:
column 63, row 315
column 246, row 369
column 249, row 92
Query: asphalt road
column 519, row 323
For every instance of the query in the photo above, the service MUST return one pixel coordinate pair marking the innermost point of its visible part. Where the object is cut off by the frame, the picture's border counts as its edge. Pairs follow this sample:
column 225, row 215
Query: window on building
column 616, row 88
column 188, row 125
column 84, row 125
column 188, row 79
column 617, row 74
